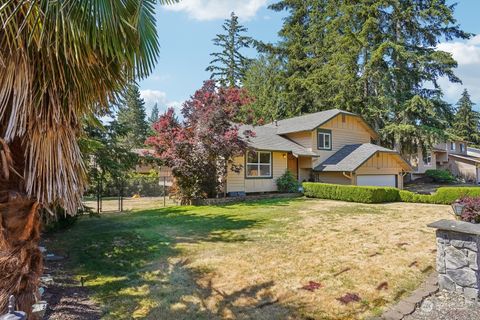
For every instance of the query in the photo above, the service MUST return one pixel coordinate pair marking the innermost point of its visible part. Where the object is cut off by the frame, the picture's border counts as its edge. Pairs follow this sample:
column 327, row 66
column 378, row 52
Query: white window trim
column 452, row 146
column 324, row 134
column 462, row 147
column 258, row 164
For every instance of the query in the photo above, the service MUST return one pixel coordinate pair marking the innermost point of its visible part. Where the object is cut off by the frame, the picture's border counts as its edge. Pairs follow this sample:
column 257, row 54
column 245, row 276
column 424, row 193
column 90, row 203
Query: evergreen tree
column 132, row 117
column 154, row 115
column 229, row 65
column 466, row 122
column 377, row 58
column 263, row 79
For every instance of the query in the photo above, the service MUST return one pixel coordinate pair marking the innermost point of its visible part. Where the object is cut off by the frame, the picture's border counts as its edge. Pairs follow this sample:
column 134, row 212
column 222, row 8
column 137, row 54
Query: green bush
column 444, row 195
column 350, row 193
column 287, row 183
column 441, row 176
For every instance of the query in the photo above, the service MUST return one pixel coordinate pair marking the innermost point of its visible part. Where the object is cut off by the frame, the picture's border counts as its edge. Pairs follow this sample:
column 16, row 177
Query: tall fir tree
column 377, row 58
column 229, row 65
column 154, row 115
column 132, row 116
column 466, row 122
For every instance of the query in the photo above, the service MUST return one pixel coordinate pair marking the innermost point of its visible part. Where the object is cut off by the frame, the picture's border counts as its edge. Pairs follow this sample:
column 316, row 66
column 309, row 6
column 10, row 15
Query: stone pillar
column 458, row 245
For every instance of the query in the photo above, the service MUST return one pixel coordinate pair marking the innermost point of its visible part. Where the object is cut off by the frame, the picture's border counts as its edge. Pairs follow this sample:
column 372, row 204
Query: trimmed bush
column 444, row 195
column 441, row 176
column 350, row 193
column 287, row 183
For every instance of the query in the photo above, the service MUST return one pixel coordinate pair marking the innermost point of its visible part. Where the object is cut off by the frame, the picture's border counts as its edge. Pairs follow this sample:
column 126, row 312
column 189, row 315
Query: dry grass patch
column 250, row 261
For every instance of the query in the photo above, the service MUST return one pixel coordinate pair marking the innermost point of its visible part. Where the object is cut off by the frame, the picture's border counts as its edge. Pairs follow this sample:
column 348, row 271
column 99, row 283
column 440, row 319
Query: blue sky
column 186, row 31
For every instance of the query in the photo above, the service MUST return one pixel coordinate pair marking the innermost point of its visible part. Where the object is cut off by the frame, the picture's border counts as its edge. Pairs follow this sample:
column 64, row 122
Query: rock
column 468, row 243
column 463, row 277
column 445, row 283
column 471, row 293
column 47, row 280
column 472, row 260
column 39, row 309
column 454, row 258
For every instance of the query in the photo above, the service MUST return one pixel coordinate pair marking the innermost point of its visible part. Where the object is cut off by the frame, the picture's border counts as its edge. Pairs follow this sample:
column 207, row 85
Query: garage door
column 387, row 180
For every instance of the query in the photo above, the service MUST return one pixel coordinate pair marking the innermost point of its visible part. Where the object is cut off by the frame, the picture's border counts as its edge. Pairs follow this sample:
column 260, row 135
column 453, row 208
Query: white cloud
column 156, row 96
column 218, row 9
column 467, row 55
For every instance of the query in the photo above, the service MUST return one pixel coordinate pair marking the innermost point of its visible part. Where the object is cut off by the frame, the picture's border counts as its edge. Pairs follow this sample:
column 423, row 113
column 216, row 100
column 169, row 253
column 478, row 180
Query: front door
column 292, row 165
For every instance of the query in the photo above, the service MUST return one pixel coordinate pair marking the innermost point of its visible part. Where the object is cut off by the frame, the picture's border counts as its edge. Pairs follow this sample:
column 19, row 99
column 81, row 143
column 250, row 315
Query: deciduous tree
column 201, row 148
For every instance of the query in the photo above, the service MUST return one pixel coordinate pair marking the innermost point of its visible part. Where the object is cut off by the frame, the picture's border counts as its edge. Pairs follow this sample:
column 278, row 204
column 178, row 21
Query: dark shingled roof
column 266, row 138
column 306, row 122
column 350, row 157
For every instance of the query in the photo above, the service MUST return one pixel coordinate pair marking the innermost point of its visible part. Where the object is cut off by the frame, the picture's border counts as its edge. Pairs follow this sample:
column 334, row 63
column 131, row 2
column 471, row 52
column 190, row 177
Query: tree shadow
column 133, row 264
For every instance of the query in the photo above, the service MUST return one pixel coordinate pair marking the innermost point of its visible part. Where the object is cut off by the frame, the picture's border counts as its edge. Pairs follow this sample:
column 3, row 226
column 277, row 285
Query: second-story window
column 324, row 139
column 462, row 147
column 452, row 146
column 427, row 159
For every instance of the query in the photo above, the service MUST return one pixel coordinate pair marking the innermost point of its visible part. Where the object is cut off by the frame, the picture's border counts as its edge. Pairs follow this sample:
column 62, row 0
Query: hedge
column 444, row 195
column 350, row 193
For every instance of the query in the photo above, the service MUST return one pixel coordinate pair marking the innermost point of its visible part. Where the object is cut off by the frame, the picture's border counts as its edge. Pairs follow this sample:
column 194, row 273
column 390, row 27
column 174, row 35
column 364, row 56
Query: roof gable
column 350, row 157
column 309, row 122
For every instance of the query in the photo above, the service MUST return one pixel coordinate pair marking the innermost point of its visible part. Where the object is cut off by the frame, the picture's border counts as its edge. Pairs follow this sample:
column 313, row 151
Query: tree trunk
column 21, row 262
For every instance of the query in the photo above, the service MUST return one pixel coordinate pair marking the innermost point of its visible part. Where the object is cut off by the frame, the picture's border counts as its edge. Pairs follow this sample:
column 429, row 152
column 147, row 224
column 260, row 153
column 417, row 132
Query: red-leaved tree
column 200, row 149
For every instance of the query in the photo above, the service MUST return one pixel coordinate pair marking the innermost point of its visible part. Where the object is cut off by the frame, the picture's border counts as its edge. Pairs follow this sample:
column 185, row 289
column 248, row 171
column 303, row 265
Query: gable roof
column 352, row 156
column 311, row 121
column 266, row 138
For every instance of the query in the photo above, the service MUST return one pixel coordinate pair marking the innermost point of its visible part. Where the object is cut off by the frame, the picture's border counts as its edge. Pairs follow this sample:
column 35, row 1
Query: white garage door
column 387, row 180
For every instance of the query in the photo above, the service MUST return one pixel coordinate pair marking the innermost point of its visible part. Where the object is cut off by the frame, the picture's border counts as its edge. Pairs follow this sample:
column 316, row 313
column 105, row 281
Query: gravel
column 446, row 306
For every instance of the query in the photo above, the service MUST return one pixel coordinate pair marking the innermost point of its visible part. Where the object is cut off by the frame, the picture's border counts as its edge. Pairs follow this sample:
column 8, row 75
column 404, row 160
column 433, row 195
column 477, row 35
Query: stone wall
column 457, row 258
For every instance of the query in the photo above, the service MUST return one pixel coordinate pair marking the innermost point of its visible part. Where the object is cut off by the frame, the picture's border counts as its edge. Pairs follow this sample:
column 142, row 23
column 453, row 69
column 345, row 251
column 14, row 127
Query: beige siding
column 332, row 177
column 236, row 182
column 303, row 138
column 463, row 168
column 382, row 163
column 352, row 131
column 416, row 161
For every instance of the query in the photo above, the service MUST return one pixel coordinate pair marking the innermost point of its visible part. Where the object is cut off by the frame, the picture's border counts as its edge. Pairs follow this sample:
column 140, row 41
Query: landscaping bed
column 271, row 259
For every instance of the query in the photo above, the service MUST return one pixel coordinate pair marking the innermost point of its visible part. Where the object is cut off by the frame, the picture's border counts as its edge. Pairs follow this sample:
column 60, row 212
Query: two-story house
column 332, row 146
column 454, row 156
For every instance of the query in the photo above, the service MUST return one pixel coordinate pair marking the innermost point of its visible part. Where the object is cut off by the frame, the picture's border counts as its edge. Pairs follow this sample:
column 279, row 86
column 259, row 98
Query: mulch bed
column 67, row 299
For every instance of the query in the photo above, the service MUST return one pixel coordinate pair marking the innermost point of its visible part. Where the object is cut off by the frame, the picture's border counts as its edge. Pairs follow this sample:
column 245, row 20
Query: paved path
column 446, row 306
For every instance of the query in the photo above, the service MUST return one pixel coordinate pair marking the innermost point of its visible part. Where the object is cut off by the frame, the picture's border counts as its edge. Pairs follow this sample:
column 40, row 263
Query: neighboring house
column 332, row 146
column 455, row 156
column 145, row 167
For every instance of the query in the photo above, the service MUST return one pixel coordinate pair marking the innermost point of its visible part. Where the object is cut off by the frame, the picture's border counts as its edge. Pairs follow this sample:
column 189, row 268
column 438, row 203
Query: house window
column 324, row 140
column 462, row 147
column 427, row 159
column 259, row 164
column 452, row 146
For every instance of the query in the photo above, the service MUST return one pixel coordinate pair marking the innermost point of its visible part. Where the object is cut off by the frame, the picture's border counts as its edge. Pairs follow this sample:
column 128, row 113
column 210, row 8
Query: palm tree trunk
column 21, row 262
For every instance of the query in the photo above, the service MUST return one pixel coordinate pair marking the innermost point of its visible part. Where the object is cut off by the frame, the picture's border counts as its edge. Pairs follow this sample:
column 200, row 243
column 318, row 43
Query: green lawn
column 249, row 261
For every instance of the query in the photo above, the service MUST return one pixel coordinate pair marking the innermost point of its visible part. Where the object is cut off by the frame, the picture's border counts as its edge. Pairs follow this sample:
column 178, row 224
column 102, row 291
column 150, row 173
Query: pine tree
column 229, row 65
column 132, row 117
column 466, row 122
column 377, row 58
column 154, row 115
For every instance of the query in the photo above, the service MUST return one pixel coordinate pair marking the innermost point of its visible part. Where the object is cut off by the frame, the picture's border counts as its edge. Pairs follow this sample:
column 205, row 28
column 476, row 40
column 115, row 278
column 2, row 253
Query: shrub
column 441, row 176
column 350, row 193
column 287, row 183
column 471, row 211
column 444, row 195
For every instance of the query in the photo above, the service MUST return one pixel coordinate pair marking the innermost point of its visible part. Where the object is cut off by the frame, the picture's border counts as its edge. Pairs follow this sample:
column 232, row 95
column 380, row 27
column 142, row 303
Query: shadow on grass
column 134, row 266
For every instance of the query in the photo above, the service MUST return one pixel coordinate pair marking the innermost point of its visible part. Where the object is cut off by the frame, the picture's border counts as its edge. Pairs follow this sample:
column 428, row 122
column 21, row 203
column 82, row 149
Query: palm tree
column 60, row 63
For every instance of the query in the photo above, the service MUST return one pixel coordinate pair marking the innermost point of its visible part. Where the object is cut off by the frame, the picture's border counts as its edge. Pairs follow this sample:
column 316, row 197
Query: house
column 454, row 155
column 332, row 146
